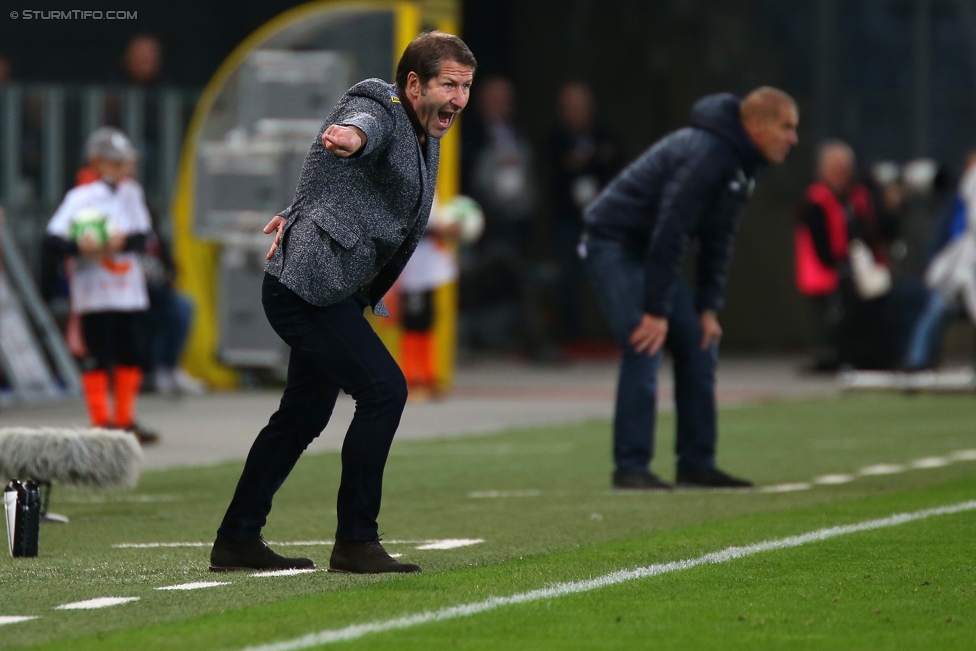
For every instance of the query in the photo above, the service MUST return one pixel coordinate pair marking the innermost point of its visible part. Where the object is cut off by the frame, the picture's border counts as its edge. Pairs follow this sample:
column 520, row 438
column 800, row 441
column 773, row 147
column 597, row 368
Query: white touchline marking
column 14, row 619
column 786, row 488
column 92, row 604
column 155, row 545
column 929, row 462
column 452, row 544
column 283, row 572
column 193, row 586
column 300, row 543
column 518, row 493
column 882, row 469
column 831, row 480
column 102, row 499
column 356, row 631
column 964, row 455
column 395, row 555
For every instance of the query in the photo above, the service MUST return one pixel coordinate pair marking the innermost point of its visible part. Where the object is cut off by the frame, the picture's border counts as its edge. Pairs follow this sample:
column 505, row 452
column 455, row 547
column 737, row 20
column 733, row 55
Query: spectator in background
column 500, row 283
column 835, row 210
column 888, row 193
column 107, row 285
column 163, row 329
column 142, row 62
column 584, row 157
column 863, row 313
column 167, row 324
column 501, row 177
column 141, row 68
column 951, row 276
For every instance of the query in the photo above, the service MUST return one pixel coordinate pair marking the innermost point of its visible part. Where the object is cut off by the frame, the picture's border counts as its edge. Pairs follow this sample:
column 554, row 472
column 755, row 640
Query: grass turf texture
column 576, row 528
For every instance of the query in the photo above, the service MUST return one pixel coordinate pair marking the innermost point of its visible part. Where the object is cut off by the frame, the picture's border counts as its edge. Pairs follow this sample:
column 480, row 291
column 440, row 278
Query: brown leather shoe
column 354, row 557
column 229, row 555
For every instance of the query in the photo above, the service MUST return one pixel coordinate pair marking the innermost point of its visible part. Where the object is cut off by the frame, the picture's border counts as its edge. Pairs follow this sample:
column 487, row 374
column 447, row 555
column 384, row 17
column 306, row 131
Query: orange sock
column 418, row 364
column 95, row 387
column 128, row 381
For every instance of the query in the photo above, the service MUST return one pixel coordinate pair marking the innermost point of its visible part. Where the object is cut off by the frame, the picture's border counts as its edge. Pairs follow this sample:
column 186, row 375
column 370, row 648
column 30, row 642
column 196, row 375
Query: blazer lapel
column 421, row 162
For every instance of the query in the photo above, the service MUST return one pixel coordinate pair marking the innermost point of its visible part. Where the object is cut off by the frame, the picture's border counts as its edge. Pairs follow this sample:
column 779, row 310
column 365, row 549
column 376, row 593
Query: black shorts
column 112, row 339
column 418, row 311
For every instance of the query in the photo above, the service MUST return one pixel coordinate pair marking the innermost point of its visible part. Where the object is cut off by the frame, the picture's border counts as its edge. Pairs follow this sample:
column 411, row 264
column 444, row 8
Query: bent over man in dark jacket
column 360, row 209
column 693, row 183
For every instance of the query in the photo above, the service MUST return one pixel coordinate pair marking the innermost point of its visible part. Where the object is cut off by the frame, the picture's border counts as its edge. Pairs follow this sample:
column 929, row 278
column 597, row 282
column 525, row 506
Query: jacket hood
column 719, row 114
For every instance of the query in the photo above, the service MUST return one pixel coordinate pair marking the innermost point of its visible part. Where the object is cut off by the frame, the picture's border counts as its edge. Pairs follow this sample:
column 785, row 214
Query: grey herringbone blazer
column 356, row 221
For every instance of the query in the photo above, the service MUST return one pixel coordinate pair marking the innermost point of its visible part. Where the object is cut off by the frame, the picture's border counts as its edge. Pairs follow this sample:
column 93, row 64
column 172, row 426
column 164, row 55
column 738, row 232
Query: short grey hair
column 827, row 147
column 111, row 144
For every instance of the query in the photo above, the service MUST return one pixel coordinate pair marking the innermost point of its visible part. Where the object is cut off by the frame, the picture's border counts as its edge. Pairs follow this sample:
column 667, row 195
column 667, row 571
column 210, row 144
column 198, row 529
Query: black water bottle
column 22, row 508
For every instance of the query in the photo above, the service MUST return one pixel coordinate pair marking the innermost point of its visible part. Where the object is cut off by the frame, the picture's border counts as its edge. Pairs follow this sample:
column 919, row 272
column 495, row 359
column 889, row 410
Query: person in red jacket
column 835, row 210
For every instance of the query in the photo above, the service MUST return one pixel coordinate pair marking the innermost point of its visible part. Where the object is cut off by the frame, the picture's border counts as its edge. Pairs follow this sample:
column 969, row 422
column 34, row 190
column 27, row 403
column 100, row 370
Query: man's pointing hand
column 343, row 141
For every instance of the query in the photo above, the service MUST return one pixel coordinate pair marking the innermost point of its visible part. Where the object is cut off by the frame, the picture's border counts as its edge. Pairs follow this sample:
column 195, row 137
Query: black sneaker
column 709, row 478
column 229, row 555
column 143, row 435
column 639, row 481
column 354, row 557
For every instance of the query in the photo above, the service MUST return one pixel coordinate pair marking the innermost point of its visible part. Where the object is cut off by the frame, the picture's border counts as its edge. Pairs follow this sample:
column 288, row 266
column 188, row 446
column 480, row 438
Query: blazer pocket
column 342, row 234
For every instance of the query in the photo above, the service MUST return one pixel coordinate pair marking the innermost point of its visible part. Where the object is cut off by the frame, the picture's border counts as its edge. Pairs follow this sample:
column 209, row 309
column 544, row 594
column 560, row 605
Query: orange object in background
column 86, row 175
column 94, row 384
column 128, row 381
column 417, row 358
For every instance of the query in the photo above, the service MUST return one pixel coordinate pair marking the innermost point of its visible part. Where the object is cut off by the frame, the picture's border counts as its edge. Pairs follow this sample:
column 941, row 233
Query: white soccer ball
column 466, row 213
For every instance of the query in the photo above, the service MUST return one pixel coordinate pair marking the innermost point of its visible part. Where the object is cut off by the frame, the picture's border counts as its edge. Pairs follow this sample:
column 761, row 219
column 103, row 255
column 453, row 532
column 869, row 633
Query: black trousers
column 332, row 348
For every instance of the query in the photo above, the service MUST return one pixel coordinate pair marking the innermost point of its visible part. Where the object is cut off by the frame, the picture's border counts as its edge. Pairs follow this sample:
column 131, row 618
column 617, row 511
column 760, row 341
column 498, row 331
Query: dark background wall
column 196, row 37
column 861, row 69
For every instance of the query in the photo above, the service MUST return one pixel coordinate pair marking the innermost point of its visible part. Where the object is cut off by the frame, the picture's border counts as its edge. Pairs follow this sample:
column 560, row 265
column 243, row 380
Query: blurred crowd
column 522, row 285
column 881, row 295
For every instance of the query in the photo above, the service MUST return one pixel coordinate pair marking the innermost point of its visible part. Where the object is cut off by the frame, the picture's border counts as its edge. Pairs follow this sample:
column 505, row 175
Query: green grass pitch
column 547, row 516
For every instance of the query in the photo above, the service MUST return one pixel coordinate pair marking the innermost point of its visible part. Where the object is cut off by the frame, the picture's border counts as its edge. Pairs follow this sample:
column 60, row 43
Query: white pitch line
column 964, row 455
column 291, row 572
column 193, row 586
column 882, row 469
column 356, row 631
column 452, row 543
column 101, row 499
column 92, row 604
column 14, row 619
column 929, row 462
column 426, row 544
column 160, row 544
column 492, row 494
column 833, row 480
column 786, row 488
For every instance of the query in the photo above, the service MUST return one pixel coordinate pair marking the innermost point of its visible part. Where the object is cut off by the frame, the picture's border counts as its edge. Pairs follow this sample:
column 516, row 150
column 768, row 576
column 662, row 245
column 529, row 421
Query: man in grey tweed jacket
column 360, row 209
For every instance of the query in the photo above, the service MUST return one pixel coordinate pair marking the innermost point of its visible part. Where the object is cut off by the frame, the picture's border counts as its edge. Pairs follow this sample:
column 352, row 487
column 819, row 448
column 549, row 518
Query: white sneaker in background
column 165, row 383
column 186, row 383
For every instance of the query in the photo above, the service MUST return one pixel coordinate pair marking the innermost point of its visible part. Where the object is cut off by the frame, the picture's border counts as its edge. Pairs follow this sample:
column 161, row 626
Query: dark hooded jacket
column 694, row 182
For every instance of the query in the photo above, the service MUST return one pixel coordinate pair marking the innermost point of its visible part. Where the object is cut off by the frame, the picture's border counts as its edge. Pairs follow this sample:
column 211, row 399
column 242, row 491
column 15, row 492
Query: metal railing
column 43, row 128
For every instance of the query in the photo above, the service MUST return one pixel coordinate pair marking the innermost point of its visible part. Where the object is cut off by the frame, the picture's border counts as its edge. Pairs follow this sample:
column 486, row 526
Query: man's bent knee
column 390, row 390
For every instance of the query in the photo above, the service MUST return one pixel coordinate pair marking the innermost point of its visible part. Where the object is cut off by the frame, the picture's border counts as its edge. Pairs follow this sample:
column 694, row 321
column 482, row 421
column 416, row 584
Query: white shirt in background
column 114, row 282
